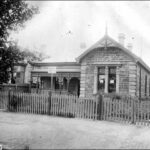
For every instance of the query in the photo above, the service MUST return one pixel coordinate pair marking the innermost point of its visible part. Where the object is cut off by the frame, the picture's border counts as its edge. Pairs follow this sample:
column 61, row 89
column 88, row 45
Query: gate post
column 49, row 102
column 99, row 107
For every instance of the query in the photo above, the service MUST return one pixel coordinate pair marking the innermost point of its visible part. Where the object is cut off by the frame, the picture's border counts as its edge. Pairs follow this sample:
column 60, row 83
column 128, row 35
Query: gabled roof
column 109, row 42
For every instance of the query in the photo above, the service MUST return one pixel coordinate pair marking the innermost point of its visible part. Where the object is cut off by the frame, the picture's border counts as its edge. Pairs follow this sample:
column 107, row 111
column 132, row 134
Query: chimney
column 130, row 46
column 121, row 38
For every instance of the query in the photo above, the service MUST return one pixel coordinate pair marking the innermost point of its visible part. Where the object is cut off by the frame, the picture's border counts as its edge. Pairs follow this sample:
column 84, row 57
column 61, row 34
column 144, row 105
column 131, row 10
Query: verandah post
column 49, row 102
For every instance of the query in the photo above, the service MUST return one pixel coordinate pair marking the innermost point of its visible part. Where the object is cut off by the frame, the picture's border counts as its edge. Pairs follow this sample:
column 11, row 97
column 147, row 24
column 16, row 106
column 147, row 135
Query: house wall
column 132, row 78
column 27, row 73
column 114, row 57
column 20, row 74
column 20, row 79
column 124, row 79
column 24, row 73
column 142, row 82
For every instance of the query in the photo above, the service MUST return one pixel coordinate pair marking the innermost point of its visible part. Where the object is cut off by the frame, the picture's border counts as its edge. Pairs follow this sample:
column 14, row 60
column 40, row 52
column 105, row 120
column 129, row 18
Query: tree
column 13, row 15
column 12, row 56
column 33, row 55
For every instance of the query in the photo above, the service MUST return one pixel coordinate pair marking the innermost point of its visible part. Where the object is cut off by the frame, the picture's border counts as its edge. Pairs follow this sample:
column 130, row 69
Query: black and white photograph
column 74, row 74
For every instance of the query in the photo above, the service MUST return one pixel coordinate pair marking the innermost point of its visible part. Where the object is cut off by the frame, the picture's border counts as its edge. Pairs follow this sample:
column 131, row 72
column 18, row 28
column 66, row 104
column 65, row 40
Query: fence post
column 133, row 111
column 9, row 100
column 49, row 102
column 99, row 106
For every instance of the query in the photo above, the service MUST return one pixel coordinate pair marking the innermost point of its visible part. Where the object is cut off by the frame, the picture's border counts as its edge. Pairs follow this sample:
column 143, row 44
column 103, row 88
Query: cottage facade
column 106, row 67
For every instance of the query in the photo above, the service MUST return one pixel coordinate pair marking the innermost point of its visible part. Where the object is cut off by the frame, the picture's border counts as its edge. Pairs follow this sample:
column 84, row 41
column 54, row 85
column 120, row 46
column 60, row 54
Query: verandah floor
column 47, row 132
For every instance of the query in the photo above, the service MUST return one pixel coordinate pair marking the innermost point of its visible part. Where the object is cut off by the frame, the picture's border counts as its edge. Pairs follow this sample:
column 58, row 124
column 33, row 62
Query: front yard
column 47, row 132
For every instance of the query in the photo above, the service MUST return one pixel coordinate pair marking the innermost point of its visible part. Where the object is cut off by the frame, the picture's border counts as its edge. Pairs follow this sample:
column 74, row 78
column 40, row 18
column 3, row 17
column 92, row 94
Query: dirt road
column 48, row 132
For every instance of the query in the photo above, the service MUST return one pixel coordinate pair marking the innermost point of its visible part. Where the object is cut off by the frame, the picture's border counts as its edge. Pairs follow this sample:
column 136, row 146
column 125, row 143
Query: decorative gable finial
column 106, row 32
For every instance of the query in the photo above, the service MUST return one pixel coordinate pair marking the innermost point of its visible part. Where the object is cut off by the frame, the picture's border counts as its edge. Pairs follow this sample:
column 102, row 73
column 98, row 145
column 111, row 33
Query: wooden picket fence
column 125, row 109
column 3, row 100
column 72, row 106
column 52, row 104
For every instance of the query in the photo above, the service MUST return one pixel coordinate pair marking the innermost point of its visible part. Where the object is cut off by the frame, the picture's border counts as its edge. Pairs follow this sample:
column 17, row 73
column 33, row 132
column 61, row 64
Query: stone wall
column 132, row 78
column 89, row 80
column 124, row 79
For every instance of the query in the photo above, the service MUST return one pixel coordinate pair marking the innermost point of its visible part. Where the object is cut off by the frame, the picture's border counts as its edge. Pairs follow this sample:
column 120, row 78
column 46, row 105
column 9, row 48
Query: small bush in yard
column 14, row 101
column 26, row 147
column 70, row 115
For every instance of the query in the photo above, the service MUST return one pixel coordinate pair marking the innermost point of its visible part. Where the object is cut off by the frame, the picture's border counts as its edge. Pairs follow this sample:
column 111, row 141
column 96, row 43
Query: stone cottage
column 106, row 67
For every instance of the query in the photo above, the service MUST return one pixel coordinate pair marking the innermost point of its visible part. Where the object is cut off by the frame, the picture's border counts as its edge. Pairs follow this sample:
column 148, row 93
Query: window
column 101, row 79
column 112, row 79
column 145, row 85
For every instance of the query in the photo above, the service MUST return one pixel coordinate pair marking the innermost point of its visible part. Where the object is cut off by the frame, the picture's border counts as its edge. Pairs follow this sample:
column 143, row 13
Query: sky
column 65, row 29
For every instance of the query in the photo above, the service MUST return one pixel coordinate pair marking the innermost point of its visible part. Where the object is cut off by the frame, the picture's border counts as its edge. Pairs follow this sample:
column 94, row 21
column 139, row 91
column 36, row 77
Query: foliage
column 33, row 55
column 14, row 13
column 9, row 57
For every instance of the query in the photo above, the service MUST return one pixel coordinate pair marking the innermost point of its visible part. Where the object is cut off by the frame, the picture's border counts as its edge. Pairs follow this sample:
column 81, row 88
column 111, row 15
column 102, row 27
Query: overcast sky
column 65, row 29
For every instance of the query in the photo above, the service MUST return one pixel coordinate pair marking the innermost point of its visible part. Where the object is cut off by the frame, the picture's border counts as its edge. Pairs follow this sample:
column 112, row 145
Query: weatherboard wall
column 141, row 84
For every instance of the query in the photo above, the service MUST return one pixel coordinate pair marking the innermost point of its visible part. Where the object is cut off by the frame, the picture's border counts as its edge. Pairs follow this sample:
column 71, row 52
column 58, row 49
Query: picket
column 89, row 109
column 93, row 117
column 52, row 106
column 71, row 106
column 44, row 103
column 18, row 106
column 92, row 111
column 138, row 112
column 67, row 105
column 148, row 115
column 109, row 109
